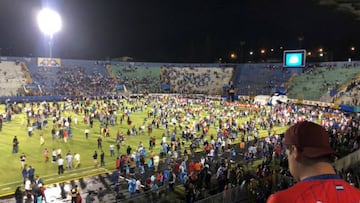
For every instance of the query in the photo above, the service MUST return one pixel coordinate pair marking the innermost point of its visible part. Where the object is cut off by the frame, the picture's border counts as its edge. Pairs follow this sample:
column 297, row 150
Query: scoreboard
column 294, row 58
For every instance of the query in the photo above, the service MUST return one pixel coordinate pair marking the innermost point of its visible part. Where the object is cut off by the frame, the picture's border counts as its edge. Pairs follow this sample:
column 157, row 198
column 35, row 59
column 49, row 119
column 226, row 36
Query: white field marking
column 7, row 188
column 52, row 175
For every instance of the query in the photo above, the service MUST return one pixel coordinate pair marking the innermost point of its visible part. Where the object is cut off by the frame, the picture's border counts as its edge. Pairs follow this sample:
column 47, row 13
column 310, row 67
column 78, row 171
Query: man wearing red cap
column 310, row 156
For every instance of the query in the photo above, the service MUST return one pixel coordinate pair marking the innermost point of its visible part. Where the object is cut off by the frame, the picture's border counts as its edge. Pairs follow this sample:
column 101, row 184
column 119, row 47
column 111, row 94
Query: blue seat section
column 260, row 79
column 73, row 77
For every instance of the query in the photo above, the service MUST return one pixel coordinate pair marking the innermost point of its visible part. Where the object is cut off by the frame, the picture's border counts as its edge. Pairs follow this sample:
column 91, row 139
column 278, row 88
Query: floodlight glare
column 49, row 21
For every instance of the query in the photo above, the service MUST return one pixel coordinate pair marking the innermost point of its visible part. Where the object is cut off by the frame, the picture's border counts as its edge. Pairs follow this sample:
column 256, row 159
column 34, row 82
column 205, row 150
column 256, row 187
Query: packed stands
column 83, row 77
column 12, row 78
column 328, row 81
column 138, row 77
column 196, row 80
column 73, row 77
column 42, row 76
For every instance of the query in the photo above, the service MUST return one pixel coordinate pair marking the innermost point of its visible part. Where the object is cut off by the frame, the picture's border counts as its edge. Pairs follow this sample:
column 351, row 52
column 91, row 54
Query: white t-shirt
column 211, row 153
column 60, row 161
column 27, row 185
column 156, row 160
column 77, row 157
column 138, row 185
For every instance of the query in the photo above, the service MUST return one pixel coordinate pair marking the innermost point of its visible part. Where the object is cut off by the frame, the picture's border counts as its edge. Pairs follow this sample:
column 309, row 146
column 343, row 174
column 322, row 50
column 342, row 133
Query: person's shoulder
column 281, row 196
column 300, row 191
column 289, row 195
column 275, row 198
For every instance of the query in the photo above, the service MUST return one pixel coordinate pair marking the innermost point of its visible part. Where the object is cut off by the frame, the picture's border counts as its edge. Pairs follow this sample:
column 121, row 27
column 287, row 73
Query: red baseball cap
column 311, row 138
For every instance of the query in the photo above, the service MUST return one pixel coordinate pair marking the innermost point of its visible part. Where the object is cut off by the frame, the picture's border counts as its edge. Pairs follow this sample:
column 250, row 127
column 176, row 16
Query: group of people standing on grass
column 34, row 188
column 185, row 120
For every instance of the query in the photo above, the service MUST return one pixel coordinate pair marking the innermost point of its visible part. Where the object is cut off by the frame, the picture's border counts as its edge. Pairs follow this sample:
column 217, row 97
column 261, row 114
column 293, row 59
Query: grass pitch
column 10, row 167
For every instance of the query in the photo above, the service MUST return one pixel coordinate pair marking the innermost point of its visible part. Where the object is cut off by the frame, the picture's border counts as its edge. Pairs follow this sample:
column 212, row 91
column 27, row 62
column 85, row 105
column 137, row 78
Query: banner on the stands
column 48, row 62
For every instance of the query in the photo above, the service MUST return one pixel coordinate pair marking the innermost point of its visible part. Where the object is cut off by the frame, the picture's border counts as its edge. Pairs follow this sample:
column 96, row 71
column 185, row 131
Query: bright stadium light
column 49, row 22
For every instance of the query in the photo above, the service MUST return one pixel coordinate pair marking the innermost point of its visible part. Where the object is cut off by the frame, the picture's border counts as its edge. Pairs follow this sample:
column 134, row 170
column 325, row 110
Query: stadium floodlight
column 49, row 22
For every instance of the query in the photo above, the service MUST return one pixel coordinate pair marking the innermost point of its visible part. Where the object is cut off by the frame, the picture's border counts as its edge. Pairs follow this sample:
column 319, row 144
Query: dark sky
column 174, row 30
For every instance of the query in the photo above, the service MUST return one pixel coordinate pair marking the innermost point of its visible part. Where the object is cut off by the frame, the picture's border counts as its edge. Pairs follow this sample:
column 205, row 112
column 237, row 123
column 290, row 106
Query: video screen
column 294, row 58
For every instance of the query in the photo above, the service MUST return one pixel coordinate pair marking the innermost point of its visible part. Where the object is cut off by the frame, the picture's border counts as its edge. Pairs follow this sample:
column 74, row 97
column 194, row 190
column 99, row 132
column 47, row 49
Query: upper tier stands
column 138, row 77
column 73, row 77
column 316, row 82
column 12, row 78
column 196, row 80
column 88, row 77
column 259, row 79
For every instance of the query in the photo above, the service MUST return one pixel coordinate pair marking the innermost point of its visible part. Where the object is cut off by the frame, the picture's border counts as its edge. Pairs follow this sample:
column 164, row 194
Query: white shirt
column 138, row 185
column 156, row 159
column 60, row 161
column 211, row 153
column 77, row 157
column 27, row 184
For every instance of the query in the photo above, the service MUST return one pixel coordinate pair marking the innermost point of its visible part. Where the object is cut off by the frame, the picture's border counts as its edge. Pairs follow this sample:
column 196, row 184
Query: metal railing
column 237, row 194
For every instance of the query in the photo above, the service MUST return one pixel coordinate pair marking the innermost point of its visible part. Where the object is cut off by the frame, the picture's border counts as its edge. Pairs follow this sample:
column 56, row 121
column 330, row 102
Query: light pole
column 300, row 39
column 49, row 22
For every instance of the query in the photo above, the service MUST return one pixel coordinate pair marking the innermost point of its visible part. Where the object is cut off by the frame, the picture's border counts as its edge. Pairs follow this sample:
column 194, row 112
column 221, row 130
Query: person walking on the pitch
column 102, row 158
column 15, row 145
column 77, row 160
column 95, row 159
column 23, row 160
column 69, row 158
column 99, row 142
column 60, row 165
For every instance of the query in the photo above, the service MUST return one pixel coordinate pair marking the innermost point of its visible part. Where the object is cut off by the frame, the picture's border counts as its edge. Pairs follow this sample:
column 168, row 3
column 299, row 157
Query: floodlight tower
column 49, row 22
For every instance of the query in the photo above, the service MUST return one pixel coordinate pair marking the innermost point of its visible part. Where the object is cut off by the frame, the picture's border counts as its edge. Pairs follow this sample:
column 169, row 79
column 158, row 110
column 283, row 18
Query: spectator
column 309, row 154
column 19, row 195
column 60, row 165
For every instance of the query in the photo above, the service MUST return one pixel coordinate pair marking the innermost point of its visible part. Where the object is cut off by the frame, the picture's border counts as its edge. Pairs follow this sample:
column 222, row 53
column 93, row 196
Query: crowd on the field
column 219, row 165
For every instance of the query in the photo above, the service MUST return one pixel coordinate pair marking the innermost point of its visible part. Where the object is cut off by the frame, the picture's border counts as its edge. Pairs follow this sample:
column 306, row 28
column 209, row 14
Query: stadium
column 76, row 130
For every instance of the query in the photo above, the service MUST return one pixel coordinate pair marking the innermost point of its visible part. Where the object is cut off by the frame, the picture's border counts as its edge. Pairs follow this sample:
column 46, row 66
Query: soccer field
column 10, row 168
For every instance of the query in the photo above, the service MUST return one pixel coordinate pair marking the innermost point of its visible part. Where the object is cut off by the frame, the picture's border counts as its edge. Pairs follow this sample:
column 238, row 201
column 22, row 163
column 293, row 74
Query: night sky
column 176, row 31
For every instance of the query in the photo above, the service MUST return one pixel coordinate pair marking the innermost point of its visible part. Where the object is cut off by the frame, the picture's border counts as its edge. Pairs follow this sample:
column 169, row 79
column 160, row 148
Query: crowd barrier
column 347, row 161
